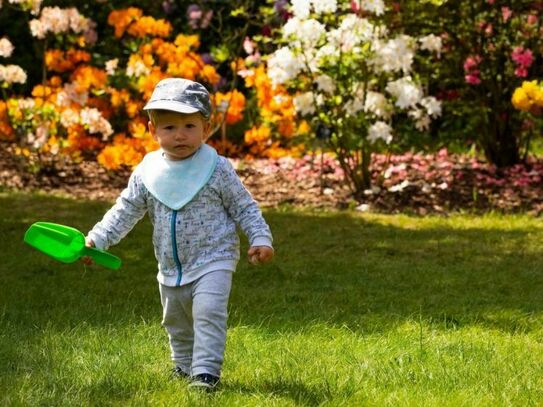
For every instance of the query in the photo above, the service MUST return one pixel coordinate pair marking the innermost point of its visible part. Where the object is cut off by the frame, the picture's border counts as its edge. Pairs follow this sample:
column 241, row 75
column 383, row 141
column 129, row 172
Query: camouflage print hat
column 180, row 95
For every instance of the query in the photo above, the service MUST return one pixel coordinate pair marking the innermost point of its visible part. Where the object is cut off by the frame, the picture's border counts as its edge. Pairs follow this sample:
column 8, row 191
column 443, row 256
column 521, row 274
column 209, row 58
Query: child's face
column 179, row 135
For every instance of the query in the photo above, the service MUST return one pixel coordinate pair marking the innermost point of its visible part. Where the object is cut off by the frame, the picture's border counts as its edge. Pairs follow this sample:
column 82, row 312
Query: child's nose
column 180, row 134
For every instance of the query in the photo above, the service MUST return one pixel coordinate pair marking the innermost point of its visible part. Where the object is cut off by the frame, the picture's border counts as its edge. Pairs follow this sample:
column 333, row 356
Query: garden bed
column 416, row 183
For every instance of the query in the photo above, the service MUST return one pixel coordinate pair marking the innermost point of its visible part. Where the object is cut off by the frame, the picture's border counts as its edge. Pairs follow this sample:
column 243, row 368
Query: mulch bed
column 413, row 183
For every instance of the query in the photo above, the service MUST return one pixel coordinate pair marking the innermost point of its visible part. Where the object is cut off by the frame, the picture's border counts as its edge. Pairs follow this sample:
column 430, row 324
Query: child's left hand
column 260, row 254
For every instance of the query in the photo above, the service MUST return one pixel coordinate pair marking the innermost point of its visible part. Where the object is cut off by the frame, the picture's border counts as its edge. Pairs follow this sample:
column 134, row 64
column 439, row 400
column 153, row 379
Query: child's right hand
column 86, row 259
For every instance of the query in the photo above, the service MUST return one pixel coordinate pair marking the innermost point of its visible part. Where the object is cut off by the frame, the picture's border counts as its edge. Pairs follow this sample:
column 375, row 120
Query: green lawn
column 357, row 309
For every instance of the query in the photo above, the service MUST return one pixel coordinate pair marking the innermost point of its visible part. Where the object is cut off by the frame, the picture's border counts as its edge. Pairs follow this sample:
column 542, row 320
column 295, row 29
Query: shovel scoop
column 66, row 244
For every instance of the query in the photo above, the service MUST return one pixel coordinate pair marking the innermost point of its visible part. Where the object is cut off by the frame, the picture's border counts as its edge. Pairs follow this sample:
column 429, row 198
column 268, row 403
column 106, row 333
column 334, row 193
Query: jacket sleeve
column 241, row 206
column 129, row 208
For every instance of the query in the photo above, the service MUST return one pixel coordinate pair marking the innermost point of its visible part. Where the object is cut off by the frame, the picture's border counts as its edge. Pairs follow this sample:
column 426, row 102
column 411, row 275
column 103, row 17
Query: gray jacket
column 198, row 238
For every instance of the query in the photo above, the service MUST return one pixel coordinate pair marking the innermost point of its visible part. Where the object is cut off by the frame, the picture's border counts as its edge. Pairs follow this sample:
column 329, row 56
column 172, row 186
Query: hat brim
column 170, row 105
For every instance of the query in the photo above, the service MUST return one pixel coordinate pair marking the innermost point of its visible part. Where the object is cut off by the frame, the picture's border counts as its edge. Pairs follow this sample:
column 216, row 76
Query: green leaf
column 240, row 11
column 220, row 53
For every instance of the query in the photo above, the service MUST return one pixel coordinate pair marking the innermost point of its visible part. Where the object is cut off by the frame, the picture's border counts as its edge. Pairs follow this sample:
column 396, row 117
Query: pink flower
column 491, row 1
column 473, row 79
column 521, row 72
column 532, row 19
column 523, row 57
column 506, row 13
column 354, row 6
column 471, row 62
column 248, row 46
column 489, row 29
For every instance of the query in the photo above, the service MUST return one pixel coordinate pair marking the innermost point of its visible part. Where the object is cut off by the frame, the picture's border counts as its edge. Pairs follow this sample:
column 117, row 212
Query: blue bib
column 175, row 183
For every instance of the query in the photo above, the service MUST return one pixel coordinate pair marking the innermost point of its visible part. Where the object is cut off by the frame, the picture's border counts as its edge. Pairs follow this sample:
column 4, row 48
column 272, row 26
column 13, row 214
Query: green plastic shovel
column 66, row 244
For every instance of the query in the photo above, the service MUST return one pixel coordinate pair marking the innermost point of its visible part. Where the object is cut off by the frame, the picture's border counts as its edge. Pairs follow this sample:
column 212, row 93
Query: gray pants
column 194, row 316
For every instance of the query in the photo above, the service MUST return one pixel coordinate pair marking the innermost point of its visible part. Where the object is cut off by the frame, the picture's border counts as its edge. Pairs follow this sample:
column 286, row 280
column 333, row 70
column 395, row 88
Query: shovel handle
column 102, row 258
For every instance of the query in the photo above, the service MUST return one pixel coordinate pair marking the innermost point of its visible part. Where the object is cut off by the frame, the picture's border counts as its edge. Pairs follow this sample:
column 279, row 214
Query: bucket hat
column 180, row 95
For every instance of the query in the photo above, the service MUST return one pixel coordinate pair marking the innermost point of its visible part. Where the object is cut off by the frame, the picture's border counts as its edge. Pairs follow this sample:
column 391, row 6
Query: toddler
column 195, row 200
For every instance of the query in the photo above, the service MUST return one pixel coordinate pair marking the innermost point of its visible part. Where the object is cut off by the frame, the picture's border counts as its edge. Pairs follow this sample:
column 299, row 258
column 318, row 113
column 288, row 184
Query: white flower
column 394, row 55
column 92, row 119
column 12, row 74
column 351, row 32
column 69, row 117
column 399, row 187
column 137, row 68
column 283, row 66
column 377, row 104
column 377, row 7
column 423, row 123
column 71, row 93
column 38, row 29
column 431, row 43
column 380, row 130
column 309, row 32
column 57, row 20
column 6, row 48
column 291, row 27
column 111, row 66
column 324, row 6
column 422, row 120
column 353, row 106
column 25, row 104
column 326, row 84
column 356, row 104
column 432, row 105
column 325, row 52
column 305, row 103
column 407, row 94
column 300, row 8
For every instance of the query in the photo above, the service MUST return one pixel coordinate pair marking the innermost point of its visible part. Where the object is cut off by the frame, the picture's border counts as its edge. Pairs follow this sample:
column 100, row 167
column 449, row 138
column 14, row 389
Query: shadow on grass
column 333, row 268
column 297, row 391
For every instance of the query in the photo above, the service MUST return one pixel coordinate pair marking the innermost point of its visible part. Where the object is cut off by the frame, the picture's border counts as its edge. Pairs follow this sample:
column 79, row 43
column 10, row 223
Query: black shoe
column 204, row 381
column 178, row 373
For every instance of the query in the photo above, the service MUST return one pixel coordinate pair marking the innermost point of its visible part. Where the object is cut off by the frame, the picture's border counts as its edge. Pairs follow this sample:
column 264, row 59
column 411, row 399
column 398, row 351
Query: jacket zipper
column 174, row 247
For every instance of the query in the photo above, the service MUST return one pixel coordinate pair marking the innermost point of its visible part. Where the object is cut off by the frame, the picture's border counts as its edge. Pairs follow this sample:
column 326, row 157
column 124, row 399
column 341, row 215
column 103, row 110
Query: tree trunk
column 499, row 142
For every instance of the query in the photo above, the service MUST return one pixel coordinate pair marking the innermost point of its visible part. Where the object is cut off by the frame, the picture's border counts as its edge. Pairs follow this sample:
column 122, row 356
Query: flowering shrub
column 92, row 106
column 489, row 47
column 349, row 77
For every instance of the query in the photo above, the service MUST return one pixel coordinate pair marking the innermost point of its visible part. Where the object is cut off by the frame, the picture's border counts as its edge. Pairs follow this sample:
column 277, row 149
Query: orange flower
column 127, row 151
column 89, row 77
column 118, row 97
column 146, row 83
column 79, row 141
column 58, row 61
column 121, row 19
column 55, row 81
column 165, row 51
column 188, row 41
column 257, row 135
column 6, row 131
column 149, row 26
column 210, row 75
column 187, row 67
column 235, row 101
column 41, row 91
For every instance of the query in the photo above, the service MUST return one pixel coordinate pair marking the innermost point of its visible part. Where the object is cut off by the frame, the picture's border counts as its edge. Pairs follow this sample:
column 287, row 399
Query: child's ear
column 207, row 129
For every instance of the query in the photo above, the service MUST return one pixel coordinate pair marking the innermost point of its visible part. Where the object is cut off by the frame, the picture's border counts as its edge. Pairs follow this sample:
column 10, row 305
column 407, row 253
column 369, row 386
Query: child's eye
column 190, row 125
column 169, row 127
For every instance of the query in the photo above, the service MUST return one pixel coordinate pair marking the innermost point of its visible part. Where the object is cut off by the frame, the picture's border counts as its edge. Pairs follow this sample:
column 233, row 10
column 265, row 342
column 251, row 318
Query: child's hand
column 260, row 254
column 86, row 259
